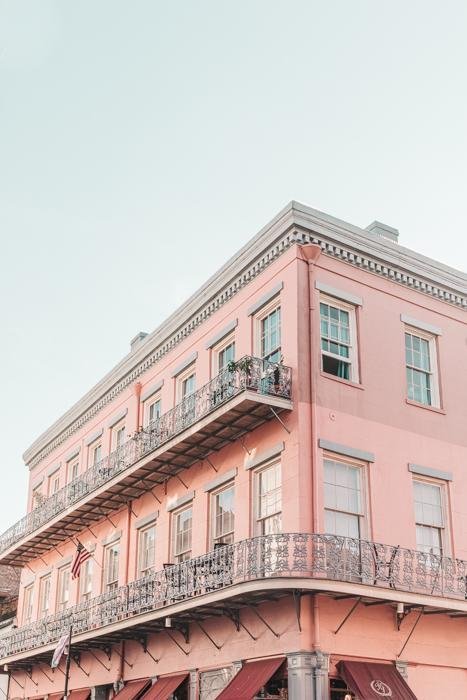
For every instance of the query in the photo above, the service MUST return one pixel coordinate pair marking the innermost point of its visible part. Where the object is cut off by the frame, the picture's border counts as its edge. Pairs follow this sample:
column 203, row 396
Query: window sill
column 346, row 382
column 434, row 409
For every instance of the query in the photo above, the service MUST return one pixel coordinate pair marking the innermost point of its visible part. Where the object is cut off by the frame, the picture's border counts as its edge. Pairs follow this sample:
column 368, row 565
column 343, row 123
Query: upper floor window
column 85, row 579
column 429, row 517
column 270, row 334
column 28, row 600
column 118, row 436
column 38, row 496
column 111, row 562
column 223, row 354
column 421, row 367
column 343, row 498
column 44, row 596
column 54, row 483
column 338, row 339
column 223, row 515
column 73, row 469
column 152, row 410
column 146, row 549
column 187, row 385
column 182, row 531
column 268, row 500
column 63, row 589
column 95, row 454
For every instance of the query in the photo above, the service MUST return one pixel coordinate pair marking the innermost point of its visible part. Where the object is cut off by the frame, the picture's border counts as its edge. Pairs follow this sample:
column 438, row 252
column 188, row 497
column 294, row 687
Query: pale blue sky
column 143, row 142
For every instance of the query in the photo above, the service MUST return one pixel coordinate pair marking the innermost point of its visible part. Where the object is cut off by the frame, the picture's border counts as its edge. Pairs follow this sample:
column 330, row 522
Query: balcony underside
column 229, row 603
column 242, row 414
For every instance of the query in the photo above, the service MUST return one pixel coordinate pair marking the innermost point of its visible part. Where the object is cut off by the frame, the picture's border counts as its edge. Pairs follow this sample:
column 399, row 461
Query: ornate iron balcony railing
column 249, row 373
column 293, row 555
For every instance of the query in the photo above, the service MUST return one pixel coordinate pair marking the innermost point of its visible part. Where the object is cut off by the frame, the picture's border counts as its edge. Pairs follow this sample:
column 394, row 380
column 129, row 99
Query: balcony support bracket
column 211, row 464
column 77, row 659
column 184, row 630
column 234, row 615
column 28, row 671
column 181, row 481
column 265, row 623
column 113, row 524
column 107, row 668
column 177, row 643
column 206, row 633
column 279, row 419
column 38, row 666
column 351, row 611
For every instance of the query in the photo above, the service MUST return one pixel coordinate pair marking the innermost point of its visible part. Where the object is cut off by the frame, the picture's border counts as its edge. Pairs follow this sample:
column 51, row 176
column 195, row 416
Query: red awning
column 81, row 694
column 133, row 689
column 164, row 687
column 56, row 696
column 250, row 679
column 374, row 681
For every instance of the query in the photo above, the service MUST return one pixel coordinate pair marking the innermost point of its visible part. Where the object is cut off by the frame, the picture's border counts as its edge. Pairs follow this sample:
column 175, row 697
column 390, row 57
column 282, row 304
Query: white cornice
column 295, row 224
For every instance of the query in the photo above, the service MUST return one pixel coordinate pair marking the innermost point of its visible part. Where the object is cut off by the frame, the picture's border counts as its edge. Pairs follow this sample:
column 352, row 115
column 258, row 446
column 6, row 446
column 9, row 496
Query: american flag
column 61, row 648
column 81, row 556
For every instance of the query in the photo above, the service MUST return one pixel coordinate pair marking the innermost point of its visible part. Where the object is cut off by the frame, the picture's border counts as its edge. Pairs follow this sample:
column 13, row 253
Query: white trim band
column 265, row 299
column 346, row 451
column 220, row 480
column 186, row 363
column 254, row 460
column 339, row 293
column 151, row 390
column 422, row 325
column 220, row 335
column 178, row 502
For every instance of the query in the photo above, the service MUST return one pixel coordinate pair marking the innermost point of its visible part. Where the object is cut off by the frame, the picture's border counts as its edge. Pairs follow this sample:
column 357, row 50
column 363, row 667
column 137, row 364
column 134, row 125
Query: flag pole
column 67, row 667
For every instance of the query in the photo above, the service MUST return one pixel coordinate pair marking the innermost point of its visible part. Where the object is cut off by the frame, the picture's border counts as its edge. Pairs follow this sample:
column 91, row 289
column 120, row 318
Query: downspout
column 127, row 568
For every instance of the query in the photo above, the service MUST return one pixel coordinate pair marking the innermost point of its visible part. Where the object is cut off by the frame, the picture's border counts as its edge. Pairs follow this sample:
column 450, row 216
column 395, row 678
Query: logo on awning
column 381, row 688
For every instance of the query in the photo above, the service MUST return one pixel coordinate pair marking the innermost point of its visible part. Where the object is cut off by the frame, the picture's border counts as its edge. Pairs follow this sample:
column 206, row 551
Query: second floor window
column 270, row 335
column 225, row 355
column 188, row 385
column 54, row 483
column 28, row 600
column 269, row 500
column 146, row 550
column 95, row 454
column 420, row 361
column 111, row 562
column 223, row 516
column 338, row 339
column 44, row 596
column 73, row 468
column 343, row 501
column 63, row 590
column 85, row 580
column 182, row 524
column 118, row 437
column 429, row 517
column 152, row 411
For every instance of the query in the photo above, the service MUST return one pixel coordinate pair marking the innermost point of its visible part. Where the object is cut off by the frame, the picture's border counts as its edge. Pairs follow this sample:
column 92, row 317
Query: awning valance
column 250, row 679
column 372, row 681
column 164, row 687
column 133, row 689
column 81, row 694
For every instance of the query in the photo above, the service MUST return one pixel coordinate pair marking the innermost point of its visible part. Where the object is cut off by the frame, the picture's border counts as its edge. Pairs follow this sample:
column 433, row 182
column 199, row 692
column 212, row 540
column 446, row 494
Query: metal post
column 67, row 667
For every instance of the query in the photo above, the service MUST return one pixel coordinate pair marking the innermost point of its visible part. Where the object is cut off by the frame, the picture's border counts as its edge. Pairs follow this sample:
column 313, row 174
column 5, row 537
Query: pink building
column 272, row 486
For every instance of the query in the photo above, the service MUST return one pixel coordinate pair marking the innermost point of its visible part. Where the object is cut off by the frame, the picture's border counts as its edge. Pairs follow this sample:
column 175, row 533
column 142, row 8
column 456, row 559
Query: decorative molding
column 73, row 453
column 147, row 520
column 151, row 390
column 256, row 459
column 296, row 224
column 220, row 335
column 183, row 365
column 422, row 325
column 183, row 500
column 265, row 299
column 110, row 539
column 339, row 293
column 117, row 418
column 64, row 562
column 93, row 437
column 346, row 451
column 220, row 480
column 429, row 471
column 55, row 468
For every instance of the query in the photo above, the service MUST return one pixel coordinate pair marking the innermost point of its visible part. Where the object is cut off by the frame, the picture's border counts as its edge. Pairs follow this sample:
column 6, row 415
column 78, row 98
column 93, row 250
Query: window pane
column 271, row 336
column 224, row 515
column 428, row 504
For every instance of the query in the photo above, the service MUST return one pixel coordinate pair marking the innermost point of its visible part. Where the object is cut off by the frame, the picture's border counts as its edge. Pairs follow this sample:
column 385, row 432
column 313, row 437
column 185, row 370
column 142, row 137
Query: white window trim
column 155, row 398
column 42, row 581
column 110, row 585
column 180, row 378
column 141, row 531
column 255, row 476
column 61, row 573
column 91, row 450
column 69, row 469
column 259, row 317
column 434, row 374
column 212, row 501
column 353, row 355
column 445, row 530
column 82, row 580
column 216, row 351
column 174, row 515
column 26, row 590
column 116, row 428
column 364, row 522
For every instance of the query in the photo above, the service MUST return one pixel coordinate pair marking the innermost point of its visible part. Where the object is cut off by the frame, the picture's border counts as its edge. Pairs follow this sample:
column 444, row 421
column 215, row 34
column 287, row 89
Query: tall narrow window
column 223, row 515
column 343, row 499
column 338, row 339
column 28, row 599
column 147, row 550
column 269, row 500
column 63, row 589
column 153, row 410
column 111, row 561
column 270, row 335
column 118, row 436
column 85, row 580
column 188, row 385
column 429, row 518
column 73, row 468
column 420, row 360
column 182, row 524
column 225, row 354
column 54, row 483
column 95, row 454
column 44, row 596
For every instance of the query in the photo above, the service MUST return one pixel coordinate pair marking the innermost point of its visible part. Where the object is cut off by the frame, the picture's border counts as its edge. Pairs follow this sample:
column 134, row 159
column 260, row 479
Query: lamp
column 401, row 612
column 168, row 622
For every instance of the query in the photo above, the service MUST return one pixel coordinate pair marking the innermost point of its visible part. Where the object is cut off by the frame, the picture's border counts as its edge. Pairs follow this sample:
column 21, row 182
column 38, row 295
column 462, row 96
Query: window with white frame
column 146, row 549
column 152, row 410
column 111, row 562
column 38, row 496
column 94, row 454
column 429, row 517
column 421, row 367
column 85, row 579
column 223, row 515
column 343, row 498
column 54, row 483
column 28, row 600
column 118, row 436
column 182, row 533
column 73, row 469
column 268, row 509
column 63, row 588
column 338, row 339
column 187, row 384
column 223, row 354
column 269, row 331
column 44, row 596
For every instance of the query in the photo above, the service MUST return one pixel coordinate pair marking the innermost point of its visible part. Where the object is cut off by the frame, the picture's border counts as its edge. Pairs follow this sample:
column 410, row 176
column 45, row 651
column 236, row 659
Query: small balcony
column 243, row 574
column 242, row 397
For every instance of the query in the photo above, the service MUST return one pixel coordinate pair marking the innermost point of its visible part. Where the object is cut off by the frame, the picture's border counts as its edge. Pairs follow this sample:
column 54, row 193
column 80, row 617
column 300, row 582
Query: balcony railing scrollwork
column 291, row 555
column 250, row 374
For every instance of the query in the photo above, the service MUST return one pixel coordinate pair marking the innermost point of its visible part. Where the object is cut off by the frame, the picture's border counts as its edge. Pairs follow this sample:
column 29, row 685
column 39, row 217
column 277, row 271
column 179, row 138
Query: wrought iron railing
column 293, row 555
column 249, row 373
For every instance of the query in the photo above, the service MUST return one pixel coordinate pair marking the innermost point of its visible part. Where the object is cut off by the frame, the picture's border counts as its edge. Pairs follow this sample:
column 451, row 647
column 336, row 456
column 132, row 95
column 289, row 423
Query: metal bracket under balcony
column 234, row 403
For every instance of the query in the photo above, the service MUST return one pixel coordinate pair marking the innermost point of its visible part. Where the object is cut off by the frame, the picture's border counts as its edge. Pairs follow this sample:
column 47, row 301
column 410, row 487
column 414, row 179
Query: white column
column 308, row 676
column 193, row 686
